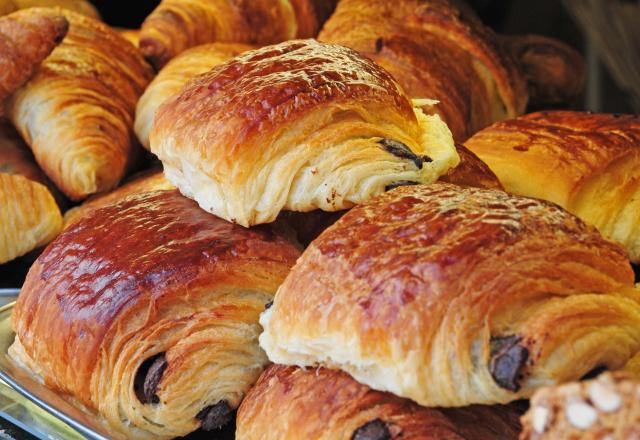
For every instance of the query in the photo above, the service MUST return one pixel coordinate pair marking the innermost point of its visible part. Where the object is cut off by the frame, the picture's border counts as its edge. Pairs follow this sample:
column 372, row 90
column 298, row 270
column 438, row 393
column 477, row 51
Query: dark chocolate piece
column 399, row 149
column 268, row 305
column 215, row 416
column 595, row 372
column 148, row 377
column 508, row 358
column 373, row 430
column 399, row 183
column 379, row 44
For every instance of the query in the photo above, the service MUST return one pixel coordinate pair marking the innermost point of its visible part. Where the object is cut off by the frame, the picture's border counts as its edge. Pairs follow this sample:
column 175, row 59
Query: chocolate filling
column 399, row 149
column 399, row 183
column 373, row 430
column 507, row 360
column 148, row 377
column 597, row 371
column 379, row 45
column 215, row 416
column 268, row 305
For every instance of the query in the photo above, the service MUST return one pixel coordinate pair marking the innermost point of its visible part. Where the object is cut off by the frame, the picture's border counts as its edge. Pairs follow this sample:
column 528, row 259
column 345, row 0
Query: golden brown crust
column 586, row 163
column 83, row 7
column 133, row 35
column 29, row 216
column 555, row 72
column 607, row 407
column 451, row 296
column 25, row 41
column 176, row 25
column 152, row 180
column 156, row 270
column 311, row 15
column 471, row 171
column 289, row 403
column 435, row 51
column 173, row 77
column 76, row 113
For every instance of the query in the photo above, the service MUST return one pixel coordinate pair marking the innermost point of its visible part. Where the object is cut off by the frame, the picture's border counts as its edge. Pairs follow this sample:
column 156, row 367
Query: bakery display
column 25, row 41
column 172, row 78
column 134, row 306
column 587, row 163
column 296, row 126
column 607, row 407
column 453, row 296
column 176, row 25
column 315, row 219
column 76, row 113
column 290, row 403
column 440, row 50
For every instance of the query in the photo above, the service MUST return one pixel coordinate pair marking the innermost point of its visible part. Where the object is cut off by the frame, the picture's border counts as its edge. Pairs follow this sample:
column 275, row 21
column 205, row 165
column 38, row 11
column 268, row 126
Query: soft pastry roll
column 296, row 126
column 176, row 25
column 175, row 75
column 290, row 403
column 83, row 7
column 607, row 407
column 453, row 296
column 587, row 163
column 152, row 180
column 439, row 49
column 25, row 41
column 147, row 312
column 77, row 112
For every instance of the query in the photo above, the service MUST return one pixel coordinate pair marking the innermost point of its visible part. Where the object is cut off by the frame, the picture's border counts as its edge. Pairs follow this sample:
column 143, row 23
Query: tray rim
column 42, row 403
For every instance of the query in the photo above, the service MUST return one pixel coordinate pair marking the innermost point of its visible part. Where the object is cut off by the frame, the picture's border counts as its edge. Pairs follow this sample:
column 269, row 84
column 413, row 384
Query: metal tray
column 31, row 389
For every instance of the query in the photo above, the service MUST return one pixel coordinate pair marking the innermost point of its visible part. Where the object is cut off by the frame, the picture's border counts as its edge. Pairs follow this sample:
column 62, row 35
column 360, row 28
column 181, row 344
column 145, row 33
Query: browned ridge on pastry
column 439, row 49
column 83, row 7
column 176, row 25
column 587, row 163
column 290, row 403
column 471, row 171
column 26, row 40
column 296, row 126
column 607, row 407
column 147, row 311
column 77, row 112
column 452, row 296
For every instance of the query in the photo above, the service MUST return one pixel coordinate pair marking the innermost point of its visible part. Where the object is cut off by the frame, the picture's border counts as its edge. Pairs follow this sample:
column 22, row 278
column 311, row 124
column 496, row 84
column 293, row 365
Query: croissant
column 439, row 49
column 133, row 35
column 80, row 6
column 175, row 75
column 603, row 408
column 587, row 163
column 25, row 41
column 76, row 113
column 453, row 296
column 147, row 181
column 29, row 215
column 176, row 25
column 147, row 311
column 295, row 126
column 290, row 403
column 471, row 171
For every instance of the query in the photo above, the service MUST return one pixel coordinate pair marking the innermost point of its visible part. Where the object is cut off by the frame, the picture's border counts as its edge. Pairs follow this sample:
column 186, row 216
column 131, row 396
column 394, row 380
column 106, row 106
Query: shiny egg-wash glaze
column 152, row 277
column 295, row 126
column 587, row 163
column 453, row 296
column 290, row 403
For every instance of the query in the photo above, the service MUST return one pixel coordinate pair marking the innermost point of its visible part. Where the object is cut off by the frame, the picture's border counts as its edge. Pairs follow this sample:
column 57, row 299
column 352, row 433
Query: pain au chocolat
column 453, row 296
column 296, row 126
column 290, row 403
column 587, row 163
column 146, row 311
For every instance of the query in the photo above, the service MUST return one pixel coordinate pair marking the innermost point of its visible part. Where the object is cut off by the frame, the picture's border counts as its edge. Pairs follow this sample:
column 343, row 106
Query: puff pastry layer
column 295, row 126
column 587, row 163
column 77, row 112
column 147, row 311
column 452, row 296
column 289, row 403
